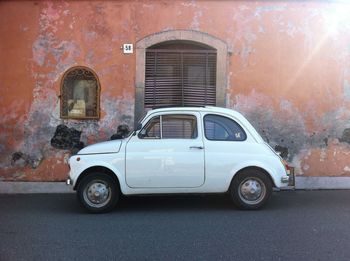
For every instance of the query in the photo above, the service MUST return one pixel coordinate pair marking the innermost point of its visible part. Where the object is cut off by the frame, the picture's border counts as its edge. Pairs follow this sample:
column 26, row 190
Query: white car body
column 198, row 165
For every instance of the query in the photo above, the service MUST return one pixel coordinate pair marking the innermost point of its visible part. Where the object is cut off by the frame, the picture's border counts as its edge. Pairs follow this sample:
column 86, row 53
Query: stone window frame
column 98, row 91
column 182, row 35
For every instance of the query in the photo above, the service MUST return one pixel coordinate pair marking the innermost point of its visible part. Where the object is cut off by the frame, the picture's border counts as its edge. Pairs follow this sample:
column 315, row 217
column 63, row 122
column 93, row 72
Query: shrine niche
column 80, row 94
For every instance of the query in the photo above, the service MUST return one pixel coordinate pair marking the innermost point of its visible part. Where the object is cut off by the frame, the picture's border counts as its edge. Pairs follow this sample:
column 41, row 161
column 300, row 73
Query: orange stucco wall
column 289, row 73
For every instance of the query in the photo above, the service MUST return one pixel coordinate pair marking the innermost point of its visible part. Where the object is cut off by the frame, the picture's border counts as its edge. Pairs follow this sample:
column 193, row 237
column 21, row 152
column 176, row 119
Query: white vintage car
column 180, row 150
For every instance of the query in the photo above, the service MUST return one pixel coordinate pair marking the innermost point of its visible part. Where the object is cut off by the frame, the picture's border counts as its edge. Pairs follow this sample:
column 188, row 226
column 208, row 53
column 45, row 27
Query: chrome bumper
column 285, row 179
column 290, row 178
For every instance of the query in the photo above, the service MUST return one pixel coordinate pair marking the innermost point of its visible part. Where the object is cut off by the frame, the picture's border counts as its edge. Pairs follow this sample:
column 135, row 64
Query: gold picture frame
column 80, row 94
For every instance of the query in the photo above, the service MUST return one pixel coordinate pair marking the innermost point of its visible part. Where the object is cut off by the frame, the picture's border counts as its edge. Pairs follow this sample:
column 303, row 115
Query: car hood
column 112, row 146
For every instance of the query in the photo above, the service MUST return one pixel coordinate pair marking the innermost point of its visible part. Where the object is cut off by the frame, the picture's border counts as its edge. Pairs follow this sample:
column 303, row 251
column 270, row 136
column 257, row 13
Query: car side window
column 151, row 130
column 179, row 127
column 221, row 128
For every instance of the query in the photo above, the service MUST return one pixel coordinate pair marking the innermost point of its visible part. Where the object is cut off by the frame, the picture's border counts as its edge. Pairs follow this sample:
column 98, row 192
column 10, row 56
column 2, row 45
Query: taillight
column 286, row 166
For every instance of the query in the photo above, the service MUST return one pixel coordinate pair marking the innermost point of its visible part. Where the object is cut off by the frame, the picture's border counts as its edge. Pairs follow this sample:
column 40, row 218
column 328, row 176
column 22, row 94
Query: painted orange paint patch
column 329, row 161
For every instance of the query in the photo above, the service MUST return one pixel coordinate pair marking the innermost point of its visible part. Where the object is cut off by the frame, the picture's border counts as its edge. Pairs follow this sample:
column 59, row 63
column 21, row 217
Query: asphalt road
column 302, row 225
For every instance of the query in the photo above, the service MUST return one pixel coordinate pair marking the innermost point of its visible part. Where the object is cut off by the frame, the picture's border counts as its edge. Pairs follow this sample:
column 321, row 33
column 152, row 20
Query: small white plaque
column 128, row 48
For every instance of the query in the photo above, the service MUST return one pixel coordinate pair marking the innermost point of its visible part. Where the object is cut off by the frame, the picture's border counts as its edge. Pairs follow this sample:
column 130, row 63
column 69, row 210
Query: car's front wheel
column 251, row 189
column 98, row 192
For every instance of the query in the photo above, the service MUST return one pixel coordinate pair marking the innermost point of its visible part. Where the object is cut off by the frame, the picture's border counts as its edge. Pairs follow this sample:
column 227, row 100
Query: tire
column 98, row 192
column 251, row 189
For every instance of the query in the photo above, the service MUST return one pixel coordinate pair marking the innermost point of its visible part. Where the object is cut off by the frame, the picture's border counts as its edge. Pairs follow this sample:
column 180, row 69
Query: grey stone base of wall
column 34, row 187
column 322, row 182
column 61, row 187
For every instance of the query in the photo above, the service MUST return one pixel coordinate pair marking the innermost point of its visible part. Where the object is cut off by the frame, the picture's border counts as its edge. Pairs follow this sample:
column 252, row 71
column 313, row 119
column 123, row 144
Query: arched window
column 80, row 94
column 180, row 73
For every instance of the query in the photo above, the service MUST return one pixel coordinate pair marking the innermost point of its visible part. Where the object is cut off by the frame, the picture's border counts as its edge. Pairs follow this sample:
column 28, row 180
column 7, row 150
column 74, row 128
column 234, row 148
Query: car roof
column 212, row 109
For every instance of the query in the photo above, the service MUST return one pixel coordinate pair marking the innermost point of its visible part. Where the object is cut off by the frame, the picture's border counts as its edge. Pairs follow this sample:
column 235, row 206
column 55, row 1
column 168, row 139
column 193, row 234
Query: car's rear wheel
column 98, row 192
column 251, row 189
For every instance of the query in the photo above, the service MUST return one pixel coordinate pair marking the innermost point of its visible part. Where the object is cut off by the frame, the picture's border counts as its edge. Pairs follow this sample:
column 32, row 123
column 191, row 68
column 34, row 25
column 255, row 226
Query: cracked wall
column 288, row 73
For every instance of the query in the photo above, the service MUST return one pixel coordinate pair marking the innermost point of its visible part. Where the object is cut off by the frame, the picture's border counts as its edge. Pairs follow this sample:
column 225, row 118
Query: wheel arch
column 263, row 170
column 102, row 169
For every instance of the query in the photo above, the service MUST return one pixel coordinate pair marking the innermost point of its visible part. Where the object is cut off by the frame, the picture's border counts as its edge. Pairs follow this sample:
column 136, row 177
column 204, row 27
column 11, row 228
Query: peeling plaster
column 195, row 25
column 345, row 136
column 285, row 129
column 329, row 161
column 19, row 159
column 267, row 9
column 346, row 87
column 37, row 128
column 244, row 34
column 116, row 111
column 90, row 36
column 306, row 167
column 48, row 44
column 24, row 28
column 189, row 3
column 323, row 155
column 148, row 6
column 114, row 117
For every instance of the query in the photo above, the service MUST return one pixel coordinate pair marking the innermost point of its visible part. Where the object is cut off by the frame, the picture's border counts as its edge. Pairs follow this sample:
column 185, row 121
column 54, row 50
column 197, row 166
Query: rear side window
column 218, row 127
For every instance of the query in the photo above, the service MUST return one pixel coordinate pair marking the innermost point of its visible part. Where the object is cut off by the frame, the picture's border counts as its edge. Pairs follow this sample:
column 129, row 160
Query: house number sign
column 128, row 48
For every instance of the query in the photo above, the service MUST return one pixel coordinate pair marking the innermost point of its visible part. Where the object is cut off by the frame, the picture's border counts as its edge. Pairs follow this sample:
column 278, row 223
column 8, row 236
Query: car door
column 168, row 152
column 227, row 145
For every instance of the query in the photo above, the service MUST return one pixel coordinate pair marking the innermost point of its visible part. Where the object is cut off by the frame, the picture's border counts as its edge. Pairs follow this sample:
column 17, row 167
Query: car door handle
column 197, row 147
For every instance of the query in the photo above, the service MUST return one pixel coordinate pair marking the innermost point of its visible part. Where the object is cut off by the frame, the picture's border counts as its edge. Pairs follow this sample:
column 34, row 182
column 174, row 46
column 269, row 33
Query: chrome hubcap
column 252, row 190
column 97, row 194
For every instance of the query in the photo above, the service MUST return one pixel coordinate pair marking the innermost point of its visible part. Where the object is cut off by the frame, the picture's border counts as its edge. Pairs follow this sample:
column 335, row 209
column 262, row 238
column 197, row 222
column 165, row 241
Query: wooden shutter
column 180, row 78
